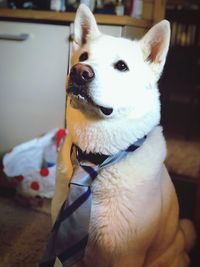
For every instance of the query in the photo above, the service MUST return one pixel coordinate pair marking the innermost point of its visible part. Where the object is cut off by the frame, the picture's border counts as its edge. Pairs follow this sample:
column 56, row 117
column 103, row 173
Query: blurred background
column 35, row 50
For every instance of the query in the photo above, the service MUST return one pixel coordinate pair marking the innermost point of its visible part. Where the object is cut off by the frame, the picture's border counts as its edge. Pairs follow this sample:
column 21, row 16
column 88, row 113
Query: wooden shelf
column 62, row 17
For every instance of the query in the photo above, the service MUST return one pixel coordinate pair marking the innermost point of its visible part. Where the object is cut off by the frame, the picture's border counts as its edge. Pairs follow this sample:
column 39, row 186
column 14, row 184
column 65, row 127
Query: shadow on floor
column 23, row 234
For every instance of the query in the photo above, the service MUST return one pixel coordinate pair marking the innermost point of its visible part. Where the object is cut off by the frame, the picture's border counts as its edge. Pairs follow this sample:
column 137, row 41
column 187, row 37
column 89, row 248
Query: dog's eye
column 121, row 66
column 83, row 56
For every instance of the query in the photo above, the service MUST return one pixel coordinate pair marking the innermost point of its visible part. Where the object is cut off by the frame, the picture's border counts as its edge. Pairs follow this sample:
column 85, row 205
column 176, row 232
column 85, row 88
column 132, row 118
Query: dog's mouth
column 80, row 99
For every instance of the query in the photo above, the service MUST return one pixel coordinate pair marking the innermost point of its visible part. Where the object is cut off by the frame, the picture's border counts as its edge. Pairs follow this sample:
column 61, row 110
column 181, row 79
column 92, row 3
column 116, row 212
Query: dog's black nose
column 81, row 74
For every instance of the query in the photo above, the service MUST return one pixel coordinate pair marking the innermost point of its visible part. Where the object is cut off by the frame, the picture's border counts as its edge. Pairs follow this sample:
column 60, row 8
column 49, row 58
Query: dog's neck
column 108, row 136
column 97, row 158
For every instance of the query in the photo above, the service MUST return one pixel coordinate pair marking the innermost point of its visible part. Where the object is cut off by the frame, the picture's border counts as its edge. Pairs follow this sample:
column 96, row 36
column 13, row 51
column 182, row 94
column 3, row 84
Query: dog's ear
column 155, row 45
column 85, row 26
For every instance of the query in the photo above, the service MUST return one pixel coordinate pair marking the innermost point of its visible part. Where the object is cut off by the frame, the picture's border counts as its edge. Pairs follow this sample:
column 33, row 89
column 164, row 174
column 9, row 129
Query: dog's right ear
column 85, row 26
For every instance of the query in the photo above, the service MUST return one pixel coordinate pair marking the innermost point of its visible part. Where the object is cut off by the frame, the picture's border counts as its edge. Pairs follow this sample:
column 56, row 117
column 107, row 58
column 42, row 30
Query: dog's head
column 113, row 80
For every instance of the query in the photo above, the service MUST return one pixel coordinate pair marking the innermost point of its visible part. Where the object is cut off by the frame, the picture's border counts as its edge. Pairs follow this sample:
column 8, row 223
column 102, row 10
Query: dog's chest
column 111, row 214
column 117, row 215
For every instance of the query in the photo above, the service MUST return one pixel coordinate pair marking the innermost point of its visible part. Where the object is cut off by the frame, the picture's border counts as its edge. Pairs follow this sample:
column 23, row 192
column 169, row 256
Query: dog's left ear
column 155, row 45
column 85, row 26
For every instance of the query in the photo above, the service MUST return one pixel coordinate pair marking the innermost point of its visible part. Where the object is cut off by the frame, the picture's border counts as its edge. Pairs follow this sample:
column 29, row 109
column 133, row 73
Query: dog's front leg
column 63, row 175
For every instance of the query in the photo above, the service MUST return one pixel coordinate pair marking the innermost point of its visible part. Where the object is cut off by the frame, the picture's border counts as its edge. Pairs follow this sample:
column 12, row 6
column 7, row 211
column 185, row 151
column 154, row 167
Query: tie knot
column 84, row 174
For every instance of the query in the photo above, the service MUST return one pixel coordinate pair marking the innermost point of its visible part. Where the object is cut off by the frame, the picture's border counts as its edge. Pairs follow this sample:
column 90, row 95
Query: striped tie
column 69, row 235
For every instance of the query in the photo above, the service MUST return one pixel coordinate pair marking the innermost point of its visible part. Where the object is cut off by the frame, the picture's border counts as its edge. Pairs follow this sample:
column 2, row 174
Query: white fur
column 133, row 94
column 134, row 217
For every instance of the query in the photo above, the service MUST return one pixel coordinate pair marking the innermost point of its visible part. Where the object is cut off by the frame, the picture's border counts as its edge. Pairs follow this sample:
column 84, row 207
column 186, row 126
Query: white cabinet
column 123, row 31
column 111, row 30
column 32, row 80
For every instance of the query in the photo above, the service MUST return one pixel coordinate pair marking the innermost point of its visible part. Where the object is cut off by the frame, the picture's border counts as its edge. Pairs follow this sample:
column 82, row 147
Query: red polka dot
column 59, row 137
column 44, row 172
column 35, row 186
column 19, row 178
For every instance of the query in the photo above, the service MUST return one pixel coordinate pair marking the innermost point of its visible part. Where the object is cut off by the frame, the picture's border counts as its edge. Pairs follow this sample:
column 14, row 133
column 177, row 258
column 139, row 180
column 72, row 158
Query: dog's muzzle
column 81, row 74
column 80, row 77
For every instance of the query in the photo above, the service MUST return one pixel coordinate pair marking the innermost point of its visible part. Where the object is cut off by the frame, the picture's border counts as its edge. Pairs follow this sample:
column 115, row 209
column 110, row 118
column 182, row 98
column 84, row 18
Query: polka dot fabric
column 35, row 180
column 39, row 183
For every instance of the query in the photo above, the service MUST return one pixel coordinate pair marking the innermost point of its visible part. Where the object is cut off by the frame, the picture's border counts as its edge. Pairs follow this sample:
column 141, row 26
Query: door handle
column 14, row 37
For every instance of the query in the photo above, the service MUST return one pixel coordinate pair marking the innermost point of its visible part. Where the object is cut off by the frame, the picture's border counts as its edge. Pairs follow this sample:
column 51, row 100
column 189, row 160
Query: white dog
column 114, row 101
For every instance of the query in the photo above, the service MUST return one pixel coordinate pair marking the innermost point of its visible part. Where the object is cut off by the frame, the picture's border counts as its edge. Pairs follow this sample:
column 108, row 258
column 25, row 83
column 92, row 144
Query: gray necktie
column 69, row 235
